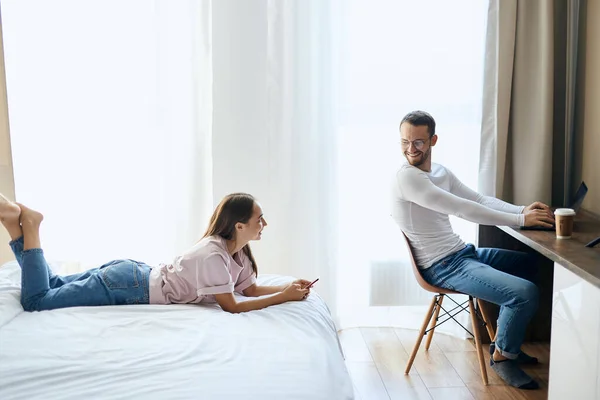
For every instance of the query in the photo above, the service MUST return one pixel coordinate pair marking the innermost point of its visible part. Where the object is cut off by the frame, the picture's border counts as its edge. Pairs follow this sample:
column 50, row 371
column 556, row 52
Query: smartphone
column 311, row 284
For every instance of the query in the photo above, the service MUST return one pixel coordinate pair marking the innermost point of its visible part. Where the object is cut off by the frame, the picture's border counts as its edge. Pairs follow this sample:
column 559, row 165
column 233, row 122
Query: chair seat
column 433, row 314
column 436, row 289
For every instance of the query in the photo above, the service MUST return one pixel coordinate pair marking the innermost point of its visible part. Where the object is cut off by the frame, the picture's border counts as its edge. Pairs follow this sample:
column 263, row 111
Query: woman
column 218, row 265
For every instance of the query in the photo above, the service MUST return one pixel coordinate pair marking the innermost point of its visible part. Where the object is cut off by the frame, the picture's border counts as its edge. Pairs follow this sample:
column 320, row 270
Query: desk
column 569, row 302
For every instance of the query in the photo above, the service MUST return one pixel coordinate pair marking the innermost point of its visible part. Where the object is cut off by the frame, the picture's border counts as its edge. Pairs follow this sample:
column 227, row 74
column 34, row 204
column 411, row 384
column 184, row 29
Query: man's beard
column 424, row 157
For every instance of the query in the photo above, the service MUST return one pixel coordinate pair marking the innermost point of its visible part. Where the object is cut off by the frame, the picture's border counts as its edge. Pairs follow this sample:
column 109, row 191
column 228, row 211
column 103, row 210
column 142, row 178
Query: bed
column 290, row 351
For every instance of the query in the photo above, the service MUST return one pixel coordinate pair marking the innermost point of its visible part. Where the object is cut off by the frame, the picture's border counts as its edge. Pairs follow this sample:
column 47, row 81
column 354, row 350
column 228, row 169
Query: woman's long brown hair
column 234, row 208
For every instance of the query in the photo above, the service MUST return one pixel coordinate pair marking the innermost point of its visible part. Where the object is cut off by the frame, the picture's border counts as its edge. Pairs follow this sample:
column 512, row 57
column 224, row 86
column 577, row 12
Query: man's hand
column 538, row 214
column 538, row 206
column 538, row 217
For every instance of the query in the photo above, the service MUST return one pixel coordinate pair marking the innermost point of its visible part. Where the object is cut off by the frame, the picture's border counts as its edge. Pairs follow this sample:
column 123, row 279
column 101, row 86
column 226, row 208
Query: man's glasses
column 419, row 143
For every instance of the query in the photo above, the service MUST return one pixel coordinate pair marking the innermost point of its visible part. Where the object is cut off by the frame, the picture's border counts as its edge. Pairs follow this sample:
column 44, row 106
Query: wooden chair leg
column 475, row 323
column 434, row 320
column 421, row 334
column 488, row 324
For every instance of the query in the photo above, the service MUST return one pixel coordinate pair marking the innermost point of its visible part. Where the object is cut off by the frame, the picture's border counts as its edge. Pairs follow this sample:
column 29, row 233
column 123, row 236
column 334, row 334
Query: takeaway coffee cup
column 564, row 222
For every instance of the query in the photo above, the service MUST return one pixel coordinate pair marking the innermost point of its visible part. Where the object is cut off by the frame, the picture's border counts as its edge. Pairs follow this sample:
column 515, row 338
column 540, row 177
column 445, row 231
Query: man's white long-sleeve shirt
column 421, row 205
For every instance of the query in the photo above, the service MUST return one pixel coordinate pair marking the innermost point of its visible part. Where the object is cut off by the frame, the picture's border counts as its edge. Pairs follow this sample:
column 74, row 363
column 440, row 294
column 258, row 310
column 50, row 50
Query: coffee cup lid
column 564, row 212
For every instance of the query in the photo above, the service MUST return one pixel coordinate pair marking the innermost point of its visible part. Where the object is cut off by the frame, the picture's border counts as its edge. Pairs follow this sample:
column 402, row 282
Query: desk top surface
column 570, row 253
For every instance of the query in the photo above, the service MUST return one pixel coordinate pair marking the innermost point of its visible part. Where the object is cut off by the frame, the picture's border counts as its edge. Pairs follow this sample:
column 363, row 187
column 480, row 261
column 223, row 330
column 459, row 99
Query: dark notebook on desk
column 575, row 205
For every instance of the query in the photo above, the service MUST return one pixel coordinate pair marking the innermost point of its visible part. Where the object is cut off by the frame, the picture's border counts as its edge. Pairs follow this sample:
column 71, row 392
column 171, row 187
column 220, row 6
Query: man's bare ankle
column 498, row 357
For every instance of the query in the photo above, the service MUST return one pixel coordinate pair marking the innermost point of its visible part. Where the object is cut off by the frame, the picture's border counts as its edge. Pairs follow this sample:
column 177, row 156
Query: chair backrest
column 422, row 282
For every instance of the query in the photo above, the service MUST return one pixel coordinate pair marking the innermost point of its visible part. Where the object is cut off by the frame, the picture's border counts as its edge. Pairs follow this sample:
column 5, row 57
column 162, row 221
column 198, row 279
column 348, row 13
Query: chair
column 433, row 315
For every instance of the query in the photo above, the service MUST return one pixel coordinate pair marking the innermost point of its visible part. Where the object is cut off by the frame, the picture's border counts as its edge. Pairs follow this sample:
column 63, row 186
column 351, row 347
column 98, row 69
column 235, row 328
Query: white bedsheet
column 288, row 351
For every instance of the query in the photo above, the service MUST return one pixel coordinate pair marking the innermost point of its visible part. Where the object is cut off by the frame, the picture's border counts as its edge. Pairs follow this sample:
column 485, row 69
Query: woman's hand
column 295, row 292
column 302, row 282
column 256, row 291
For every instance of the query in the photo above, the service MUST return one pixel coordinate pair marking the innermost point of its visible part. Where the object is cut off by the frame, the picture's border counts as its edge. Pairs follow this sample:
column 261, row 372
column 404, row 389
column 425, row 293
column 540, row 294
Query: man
column 423, row 196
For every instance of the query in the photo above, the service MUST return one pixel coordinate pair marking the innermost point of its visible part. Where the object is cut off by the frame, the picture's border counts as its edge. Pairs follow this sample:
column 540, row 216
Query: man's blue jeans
column 114, row 283
column 502, row 277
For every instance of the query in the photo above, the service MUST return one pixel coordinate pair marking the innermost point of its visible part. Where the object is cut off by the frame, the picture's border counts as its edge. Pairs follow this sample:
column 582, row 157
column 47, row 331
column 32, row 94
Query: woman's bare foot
column 30, row 217
column 10, row 213
column 30, row 223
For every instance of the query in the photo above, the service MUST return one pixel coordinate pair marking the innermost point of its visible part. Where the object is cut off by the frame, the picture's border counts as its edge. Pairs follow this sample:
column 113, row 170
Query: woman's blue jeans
column 502, row 277
column 117, row 282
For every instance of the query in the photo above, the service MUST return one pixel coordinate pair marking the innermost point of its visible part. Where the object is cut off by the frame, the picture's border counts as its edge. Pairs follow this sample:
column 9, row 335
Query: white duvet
column 290, row 351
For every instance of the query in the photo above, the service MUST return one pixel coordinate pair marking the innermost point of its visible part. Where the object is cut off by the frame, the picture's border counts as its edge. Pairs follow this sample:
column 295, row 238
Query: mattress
column 289, row 351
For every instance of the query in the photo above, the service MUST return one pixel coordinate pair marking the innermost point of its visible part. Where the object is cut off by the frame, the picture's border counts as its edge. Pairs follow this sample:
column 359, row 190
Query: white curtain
column 131, row 119
column 399, row 56
column 273, row 132
column 110, row 107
